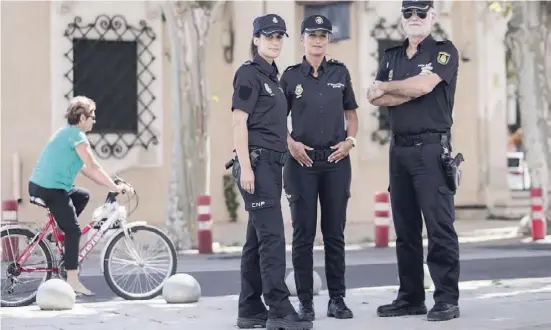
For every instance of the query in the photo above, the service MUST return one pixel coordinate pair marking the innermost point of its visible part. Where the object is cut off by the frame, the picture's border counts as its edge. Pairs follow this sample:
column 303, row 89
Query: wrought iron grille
column 388, row 35
column 111, row 63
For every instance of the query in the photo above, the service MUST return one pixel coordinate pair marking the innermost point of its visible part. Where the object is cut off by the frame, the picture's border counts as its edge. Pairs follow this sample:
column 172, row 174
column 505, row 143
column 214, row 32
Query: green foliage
column 230, row 196
column 500, row 7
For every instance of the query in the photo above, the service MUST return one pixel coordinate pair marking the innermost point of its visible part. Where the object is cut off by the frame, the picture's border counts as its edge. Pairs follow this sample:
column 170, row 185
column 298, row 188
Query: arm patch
column 244, row 92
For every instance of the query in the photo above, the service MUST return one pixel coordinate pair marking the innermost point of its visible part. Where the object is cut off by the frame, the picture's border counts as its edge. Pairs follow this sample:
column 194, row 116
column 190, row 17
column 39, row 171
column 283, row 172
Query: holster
column 450, row 164
column 254, row 157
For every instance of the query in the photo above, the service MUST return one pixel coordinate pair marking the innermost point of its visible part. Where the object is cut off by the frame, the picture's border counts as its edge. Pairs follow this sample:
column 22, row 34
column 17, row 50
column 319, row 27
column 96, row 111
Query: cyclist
column 68, row 152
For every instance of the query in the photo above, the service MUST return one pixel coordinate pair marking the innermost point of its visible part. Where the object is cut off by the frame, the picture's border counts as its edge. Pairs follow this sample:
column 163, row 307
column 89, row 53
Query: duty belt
column 317, row 155
column 418, row 139
column 270, row 155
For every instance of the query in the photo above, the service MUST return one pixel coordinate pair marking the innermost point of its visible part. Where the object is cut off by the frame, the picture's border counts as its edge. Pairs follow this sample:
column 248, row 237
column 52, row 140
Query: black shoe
column 337, row 308
column 289, row 322
column 251, row 322
column 306, row 310
column 443, row 312
column 401, row 308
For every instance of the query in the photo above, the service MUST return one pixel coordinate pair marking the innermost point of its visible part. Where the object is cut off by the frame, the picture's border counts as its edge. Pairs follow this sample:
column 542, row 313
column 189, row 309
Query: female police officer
column 320, row 96
column 260, row 137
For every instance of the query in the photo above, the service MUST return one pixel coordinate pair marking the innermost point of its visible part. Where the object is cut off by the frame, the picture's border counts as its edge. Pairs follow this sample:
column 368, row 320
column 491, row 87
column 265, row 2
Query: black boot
column 288, row 322
column 443, row 312
column 251, row 322
column 306, row 310
column 337, row 308
column 401, row 308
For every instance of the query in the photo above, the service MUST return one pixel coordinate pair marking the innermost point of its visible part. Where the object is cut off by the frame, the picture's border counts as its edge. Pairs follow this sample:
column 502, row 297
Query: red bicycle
column 111, row 216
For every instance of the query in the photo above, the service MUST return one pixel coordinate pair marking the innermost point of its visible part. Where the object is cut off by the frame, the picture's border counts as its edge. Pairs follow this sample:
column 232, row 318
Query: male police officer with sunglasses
column 417, row 81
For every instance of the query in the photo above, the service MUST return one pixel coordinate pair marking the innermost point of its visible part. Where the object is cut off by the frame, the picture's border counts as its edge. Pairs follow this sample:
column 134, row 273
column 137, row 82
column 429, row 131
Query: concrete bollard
column 181, row 289
column 290, row 282
column 55, row 295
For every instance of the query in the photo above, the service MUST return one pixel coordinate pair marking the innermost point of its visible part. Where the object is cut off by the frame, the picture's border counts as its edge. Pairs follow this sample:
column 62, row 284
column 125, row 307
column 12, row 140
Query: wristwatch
column 353, row 139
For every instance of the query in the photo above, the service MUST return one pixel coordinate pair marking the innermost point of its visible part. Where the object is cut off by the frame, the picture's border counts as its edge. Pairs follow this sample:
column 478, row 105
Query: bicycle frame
column 113, row 209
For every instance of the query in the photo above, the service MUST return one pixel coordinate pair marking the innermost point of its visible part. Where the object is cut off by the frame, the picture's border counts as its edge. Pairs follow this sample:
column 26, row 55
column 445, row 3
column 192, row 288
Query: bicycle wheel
column 14, row 242
column 116, row 279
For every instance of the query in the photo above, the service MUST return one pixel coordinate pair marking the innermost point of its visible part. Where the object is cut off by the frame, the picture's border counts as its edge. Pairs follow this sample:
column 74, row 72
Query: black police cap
column 269, row 24
column 316, row 23
column 417, row 4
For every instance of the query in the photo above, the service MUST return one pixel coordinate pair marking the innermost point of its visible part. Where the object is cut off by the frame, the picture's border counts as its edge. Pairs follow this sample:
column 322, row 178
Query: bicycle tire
column 49, row 260
column 108, row 254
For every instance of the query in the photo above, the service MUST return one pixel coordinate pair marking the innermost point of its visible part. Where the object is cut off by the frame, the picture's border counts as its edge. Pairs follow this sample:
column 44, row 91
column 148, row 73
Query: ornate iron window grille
column 116, row 28
column 391, row 33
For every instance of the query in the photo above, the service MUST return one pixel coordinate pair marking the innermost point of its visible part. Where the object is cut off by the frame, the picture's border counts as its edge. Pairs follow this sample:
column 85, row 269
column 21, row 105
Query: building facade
column 40, row 63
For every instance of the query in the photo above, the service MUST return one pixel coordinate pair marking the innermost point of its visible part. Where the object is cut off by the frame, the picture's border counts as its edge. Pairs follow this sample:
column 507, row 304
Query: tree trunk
column 189, row 25
column 531, row 96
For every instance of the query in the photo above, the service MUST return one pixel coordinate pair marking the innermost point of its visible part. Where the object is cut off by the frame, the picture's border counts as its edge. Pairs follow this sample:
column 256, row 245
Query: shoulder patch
column 333, row 61
column 291, row 67
column 391, row 49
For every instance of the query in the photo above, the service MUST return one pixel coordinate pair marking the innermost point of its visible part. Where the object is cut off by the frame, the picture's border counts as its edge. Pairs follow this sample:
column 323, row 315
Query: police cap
column 417, row 4
column 269, row 24
column 316, row 23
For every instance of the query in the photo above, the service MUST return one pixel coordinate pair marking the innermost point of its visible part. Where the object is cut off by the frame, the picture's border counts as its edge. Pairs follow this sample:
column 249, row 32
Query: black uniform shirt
column 317, row 104
column 257, row 92
column 431, row 112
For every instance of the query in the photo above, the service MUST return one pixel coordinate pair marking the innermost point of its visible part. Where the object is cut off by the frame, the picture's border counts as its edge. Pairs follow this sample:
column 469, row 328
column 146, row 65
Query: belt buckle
column 417, row 141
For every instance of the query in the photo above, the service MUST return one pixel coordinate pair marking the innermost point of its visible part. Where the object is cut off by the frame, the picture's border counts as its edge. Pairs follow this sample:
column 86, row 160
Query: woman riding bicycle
column 68, row 152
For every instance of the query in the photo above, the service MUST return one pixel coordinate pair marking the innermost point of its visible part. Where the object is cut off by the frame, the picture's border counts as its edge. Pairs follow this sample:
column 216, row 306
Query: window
column 339, row 15
column 107, row 72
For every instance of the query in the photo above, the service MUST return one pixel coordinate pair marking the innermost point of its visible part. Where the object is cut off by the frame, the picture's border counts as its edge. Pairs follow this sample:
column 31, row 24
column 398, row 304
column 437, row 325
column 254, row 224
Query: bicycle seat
column 38, row 201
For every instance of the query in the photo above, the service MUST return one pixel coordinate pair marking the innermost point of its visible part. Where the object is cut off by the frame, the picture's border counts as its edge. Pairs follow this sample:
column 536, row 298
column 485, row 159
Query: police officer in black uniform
column 417, row 81
column 260, row 137
column 320, row 98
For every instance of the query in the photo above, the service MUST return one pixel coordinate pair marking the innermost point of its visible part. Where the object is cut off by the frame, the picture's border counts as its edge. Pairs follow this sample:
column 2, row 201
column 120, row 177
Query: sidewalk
column 520, row 304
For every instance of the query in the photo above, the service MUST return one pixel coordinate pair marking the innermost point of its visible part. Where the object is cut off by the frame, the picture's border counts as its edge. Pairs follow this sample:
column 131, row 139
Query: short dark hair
column 78, row 106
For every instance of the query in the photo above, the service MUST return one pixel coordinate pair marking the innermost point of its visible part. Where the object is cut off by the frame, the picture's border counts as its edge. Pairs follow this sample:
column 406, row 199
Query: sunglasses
column 408, row 13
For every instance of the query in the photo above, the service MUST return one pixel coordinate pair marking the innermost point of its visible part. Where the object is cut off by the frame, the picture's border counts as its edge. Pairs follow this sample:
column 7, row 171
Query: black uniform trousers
column 417, row 184
column 263, row 263
column 330, row 182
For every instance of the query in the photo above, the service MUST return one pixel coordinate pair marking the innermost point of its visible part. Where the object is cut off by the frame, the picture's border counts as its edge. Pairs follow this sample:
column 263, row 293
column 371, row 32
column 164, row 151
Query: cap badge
column 319, row 20
column 274, row 19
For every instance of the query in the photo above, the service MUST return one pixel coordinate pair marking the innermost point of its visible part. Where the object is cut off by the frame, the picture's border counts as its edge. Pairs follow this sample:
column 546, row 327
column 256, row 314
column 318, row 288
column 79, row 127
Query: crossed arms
column 393, row 93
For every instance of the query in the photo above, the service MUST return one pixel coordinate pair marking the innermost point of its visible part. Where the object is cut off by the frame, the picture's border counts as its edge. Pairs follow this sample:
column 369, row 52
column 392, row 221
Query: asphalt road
column 219, row 274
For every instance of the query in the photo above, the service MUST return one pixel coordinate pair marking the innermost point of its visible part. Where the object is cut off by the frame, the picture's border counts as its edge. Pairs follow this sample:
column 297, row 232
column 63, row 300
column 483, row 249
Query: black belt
column 317, row 155
column 417, row 139
column 271, row 155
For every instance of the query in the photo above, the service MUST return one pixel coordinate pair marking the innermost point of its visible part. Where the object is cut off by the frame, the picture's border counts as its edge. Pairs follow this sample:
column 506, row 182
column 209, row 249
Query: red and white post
column 539, row 225
column 204, row 224
column 382, row 219
column 9, row 216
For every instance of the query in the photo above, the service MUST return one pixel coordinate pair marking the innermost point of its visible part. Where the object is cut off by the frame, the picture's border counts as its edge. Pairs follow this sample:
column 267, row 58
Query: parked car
column 518, row 176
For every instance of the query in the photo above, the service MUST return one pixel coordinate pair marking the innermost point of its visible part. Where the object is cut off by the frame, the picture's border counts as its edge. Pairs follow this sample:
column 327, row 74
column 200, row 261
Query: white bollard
column 427, row 279
column 181, row 289
column 55, row 295
column 290, row 282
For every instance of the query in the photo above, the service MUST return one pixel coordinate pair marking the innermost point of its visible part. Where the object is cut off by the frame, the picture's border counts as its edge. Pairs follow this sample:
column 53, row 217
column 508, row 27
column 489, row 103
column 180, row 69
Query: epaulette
column 248, row 62
column 292, row 67
column 388, row 50
column 442, row 42
column 333, row 61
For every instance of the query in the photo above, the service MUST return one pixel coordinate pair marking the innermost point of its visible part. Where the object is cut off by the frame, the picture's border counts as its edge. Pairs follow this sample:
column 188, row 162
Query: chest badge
column 268, row 89
column 426, row 69
column 298, row 91
column 390, row 75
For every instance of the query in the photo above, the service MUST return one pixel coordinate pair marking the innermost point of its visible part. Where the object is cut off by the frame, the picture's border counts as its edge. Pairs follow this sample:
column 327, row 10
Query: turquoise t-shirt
column 59, row 162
